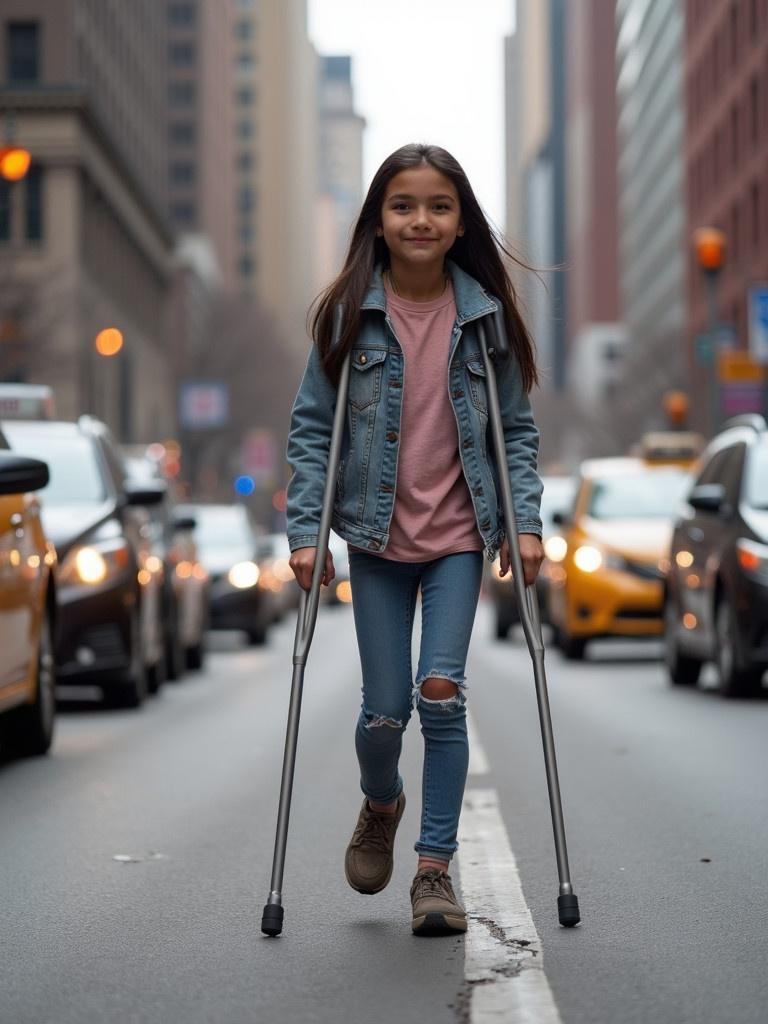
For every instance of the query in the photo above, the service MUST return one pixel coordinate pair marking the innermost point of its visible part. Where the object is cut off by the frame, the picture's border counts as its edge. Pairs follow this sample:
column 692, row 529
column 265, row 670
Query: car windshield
column 75, row 475
column 654, row 495
column 756, row 491
column 222, row 528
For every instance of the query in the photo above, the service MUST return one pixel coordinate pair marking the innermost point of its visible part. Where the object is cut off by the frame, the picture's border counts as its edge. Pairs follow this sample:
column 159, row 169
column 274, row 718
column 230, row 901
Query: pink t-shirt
column 433, row 513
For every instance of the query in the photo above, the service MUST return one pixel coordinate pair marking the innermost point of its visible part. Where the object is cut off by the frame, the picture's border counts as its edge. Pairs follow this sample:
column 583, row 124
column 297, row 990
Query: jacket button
column 478, row 492
column 469, row 443
column 375, row 544
column 392, row 436
column 485, row 525
column 458, row 393
column 363, row 359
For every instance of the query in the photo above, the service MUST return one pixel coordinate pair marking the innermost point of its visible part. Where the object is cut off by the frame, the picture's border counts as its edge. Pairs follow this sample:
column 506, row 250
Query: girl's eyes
column 402, row 207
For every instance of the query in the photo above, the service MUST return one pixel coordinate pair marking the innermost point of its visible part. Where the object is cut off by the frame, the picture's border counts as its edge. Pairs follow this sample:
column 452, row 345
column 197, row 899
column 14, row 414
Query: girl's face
column 420, row 217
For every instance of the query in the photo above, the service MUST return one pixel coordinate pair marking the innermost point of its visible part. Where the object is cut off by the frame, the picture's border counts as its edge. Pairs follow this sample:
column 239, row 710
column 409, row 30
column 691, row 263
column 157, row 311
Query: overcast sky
column 426, row 71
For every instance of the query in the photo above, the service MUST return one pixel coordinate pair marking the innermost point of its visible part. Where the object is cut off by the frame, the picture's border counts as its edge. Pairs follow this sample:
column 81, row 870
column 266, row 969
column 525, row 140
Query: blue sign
column 758, row 323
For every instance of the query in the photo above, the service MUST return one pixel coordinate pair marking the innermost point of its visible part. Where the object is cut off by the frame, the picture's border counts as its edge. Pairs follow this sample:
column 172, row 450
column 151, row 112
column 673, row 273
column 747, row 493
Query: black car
column 716, row 594
column 90, row 514
column 227, row 546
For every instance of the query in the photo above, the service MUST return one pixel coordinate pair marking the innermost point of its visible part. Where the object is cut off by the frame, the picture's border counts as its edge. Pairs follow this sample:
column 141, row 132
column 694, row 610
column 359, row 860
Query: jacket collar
column 472, row 300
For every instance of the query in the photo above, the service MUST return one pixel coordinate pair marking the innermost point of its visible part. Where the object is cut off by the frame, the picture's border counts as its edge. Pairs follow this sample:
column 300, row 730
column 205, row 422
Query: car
column 556, row 497
column 105, row 632
column 716, row 590
column 608, row 582
column 27, row 610
column 183, row 611
column 227, row 543
column 275, row 574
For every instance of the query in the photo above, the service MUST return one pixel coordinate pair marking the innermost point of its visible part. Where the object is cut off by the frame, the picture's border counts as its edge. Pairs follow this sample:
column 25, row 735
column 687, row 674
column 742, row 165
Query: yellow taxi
column 605, row 568
column 27, row 558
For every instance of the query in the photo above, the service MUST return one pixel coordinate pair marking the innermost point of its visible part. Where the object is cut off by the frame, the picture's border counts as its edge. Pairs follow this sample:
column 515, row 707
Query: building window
column 734, row 135
column 754, row 130
column 181, row 132
column 181, row 55
column 245, row 62
column 33, row 204
column 5, row 210
column 23, row 49
column 182, row 172
column 754, row 213
column 181, row 13
column 181, row 93
column 246, row 5
column 245, row 161
column 245, row 129
column 245, row 199
column 244, row 30
column 244, row 96
column 247, row 266
column 183, row 213
column 246, row 233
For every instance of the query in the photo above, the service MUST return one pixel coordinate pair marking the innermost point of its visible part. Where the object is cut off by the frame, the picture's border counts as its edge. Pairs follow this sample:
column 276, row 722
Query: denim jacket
column 367, row 475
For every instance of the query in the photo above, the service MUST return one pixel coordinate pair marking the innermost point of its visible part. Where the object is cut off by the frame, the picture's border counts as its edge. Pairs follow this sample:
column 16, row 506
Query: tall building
column 83, row 241
column 726, row 168
column 340, row 164
column 649, row 65
column 595, row 333
column 536, row 170
column 200, row 123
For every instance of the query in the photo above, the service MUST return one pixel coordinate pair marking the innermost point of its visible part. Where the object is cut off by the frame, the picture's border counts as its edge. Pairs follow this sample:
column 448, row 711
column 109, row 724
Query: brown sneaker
column 436, row 911
column 368, row 862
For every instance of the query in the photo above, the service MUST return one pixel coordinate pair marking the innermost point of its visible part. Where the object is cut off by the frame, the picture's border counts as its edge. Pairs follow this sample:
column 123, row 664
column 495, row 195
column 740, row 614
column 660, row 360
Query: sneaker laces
column 432, row 882
column 375, row 831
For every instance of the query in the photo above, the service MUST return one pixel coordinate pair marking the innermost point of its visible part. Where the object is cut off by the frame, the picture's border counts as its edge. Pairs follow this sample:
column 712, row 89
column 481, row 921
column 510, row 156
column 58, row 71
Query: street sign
column 203, row 404
column 738, row 365
column 758, row 322
column 258, row 456
column 737, row 398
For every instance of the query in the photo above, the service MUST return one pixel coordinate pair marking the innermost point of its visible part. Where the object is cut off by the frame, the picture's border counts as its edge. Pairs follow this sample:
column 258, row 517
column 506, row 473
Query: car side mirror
column 145, row 494
column 184, row 523
column 707, row 498
column 19, row 474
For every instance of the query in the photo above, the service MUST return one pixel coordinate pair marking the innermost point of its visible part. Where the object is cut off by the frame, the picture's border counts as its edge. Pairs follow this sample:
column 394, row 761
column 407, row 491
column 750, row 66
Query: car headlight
column 587, row 558
column 555, row 548
column 244, row 575
column 90, row 565
column 753, row 557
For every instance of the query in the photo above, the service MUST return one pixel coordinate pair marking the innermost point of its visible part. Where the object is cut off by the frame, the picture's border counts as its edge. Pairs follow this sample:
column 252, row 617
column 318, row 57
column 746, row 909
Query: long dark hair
column 478, row 252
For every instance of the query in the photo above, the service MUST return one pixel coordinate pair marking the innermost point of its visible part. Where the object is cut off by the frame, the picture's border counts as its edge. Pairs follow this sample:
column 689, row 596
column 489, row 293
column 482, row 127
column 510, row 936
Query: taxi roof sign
column 26, row 402
column 670, row 446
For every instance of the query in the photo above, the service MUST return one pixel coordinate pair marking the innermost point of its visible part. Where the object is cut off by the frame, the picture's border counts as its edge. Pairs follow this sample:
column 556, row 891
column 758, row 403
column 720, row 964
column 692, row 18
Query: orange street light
column 675, row 405
column 109, row 341
column 14, row 162
column 709, row 244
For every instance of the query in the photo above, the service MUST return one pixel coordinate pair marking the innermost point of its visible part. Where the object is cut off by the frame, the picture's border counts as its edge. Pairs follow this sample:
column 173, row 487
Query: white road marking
column 478, row 762
column 503, row 955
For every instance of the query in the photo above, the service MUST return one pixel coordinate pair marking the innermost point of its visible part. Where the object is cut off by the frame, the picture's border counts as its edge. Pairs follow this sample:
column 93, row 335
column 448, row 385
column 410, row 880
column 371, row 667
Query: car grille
column 105, row 641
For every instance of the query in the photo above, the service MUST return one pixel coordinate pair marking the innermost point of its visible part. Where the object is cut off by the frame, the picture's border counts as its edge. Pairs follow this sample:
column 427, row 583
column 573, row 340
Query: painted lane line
column 503, row 956
column 478, row 762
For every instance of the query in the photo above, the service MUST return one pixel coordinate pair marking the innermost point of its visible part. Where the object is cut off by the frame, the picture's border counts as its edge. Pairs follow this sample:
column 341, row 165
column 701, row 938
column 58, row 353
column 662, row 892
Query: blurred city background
column 194, row 167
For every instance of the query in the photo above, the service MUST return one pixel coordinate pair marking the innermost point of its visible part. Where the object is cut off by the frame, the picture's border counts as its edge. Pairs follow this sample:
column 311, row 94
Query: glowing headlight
column 587, row 558
column 90, row 566
column 244, row 575
column 555, row 548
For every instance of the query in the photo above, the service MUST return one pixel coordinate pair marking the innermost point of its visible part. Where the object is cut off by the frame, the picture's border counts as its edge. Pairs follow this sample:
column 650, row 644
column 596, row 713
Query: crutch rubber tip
column 568, row 910
column 272, row 919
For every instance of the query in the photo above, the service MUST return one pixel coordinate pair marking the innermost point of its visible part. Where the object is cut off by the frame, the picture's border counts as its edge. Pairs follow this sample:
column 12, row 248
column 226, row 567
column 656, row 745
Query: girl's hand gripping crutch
column 567, row 902
column 272, row 918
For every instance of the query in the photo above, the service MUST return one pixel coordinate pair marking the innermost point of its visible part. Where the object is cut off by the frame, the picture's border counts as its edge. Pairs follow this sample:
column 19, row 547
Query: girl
column 417, row 498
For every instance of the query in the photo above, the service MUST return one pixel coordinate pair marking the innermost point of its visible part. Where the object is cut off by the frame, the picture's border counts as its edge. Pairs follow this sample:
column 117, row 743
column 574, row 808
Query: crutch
column 272, row 918
column 527, row 602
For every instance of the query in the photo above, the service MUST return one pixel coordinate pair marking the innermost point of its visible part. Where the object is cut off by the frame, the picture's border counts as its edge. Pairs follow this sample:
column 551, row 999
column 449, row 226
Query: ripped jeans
column 384, row 600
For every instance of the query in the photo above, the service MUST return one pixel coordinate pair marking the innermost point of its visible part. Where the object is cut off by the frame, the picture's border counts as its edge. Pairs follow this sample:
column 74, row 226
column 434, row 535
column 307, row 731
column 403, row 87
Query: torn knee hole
column 435, row 688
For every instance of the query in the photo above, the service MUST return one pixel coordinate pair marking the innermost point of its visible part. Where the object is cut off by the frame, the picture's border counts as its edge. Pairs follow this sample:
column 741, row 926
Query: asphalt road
column 665, row 801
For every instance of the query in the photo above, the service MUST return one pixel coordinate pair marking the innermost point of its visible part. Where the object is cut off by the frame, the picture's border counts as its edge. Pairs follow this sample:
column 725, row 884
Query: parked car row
column 669, row 542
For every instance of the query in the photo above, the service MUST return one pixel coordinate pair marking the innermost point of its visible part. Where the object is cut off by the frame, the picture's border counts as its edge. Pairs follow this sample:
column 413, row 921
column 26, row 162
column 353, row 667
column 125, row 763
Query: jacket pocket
column 477, row 386
column 365, row 377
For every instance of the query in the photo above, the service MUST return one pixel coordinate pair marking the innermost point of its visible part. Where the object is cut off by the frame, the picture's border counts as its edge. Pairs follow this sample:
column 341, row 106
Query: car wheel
column 501, row 627
column 195, row 656
column 174, row 649
column 28, row 730
column 257, row 637
column 683, row 670
column 156, row 675
column 130, row 690
column 573, row 647
column 735, row 680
